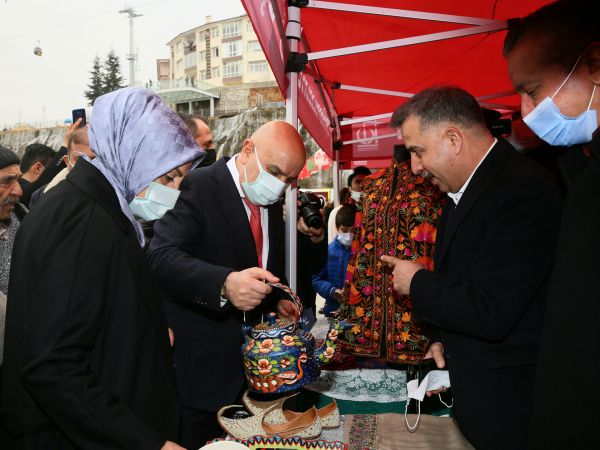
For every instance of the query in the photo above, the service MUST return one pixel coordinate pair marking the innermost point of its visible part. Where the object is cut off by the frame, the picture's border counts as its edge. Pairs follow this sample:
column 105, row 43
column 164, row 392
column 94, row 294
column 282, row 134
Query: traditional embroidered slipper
column 305, row 425
column 256, row 407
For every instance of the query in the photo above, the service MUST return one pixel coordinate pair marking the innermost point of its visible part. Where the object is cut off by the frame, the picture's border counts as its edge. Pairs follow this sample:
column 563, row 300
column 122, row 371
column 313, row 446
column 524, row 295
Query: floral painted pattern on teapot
column 280, row 354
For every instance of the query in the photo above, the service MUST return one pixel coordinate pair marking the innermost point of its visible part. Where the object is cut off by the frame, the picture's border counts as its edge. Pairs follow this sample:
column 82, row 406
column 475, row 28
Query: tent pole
column 336, row 178
column 405, row 13
column 291, row 116
column 395, row 43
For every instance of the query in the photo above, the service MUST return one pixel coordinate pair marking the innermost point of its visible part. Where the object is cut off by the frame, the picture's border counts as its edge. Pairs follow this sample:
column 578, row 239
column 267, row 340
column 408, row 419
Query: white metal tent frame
column 293, row 34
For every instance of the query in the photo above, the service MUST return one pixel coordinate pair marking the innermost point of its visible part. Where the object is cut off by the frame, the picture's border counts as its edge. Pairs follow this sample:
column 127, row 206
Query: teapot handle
column 289, row 294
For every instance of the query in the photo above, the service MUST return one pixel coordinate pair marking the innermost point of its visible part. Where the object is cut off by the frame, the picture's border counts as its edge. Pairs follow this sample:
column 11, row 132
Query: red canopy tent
column 345, row 66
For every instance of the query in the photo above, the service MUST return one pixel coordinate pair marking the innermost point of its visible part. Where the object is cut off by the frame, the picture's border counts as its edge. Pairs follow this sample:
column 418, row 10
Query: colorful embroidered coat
column 399, row 218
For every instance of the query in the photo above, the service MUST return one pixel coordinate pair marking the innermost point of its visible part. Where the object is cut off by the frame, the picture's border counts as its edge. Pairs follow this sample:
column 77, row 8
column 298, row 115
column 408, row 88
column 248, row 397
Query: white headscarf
column 136, row 139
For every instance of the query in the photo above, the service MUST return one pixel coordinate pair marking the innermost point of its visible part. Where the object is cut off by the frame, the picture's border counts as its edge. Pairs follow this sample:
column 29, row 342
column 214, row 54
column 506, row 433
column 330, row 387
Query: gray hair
column 440, row 104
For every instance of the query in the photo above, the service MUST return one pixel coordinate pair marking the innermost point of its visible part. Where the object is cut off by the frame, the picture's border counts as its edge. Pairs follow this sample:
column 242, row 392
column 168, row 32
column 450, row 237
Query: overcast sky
column 71, row 33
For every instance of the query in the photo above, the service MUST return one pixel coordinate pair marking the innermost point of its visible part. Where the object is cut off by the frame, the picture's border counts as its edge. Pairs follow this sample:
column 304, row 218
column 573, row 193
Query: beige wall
column 251, row 63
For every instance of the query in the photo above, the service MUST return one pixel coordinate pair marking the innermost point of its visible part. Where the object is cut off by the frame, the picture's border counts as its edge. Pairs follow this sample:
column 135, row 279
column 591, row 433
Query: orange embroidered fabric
column 399, row 218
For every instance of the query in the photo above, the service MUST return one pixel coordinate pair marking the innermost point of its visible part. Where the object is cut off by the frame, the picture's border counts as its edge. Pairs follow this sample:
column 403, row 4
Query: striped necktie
column 256, row 228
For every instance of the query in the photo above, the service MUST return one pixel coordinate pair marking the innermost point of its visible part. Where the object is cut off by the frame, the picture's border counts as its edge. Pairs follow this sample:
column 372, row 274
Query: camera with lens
column 310, row 209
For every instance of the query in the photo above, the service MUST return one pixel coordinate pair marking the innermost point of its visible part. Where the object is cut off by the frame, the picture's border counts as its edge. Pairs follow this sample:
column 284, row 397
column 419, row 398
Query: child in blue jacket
column 329, row 281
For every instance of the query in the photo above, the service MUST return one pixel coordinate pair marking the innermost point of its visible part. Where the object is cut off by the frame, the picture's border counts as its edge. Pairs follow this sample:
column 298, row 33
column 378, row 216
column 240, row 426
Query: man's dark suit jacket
column 569, row 364
column 494, row 255
column 87, row 361
column 195, row 246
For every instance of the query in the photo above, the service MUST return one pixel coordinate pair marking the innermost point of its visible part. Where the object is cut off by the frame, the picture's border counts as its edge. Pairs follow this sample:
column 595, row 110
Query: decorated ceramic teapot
column 280, row 354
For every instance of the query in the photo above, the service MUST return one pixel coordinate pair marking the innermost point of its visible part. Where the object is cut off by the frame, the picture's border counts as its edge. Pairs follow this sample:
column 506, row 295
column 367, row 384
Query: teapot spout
column 325, row 352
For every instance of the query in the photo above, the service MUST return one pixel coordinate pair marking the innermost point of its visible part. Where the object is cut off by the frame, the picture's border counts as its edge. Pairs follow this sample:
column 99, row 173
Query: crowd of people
column 131, row 258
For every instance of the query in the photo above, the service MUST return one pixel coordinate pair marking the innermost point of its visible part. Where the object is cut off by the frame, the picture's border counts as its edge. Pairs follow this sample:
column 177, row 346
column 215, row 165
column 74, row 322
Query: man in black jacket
column 554, row 62
column 213, row 265
column 494, row 249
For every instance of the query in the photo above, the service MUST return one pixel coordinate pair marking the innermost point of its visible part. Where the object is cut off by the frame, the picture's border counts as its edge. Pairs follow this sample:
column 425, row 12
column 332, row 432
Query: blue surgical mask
column 155, row 204
column 345, row 239
column 555, row 128
column 266, row 189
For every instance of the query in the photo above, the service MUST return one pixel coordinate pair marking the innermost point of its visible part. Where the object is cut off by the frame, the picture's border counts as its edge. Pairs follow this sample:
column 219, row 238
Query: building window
column 231, row 49
column 249, row 27
column 232, row 69
column 214, row 52
column 179, row 65
column 253, row 46
column 190, row 60
column 257, row 66
column 215, row 72
column 231, row 29
column 201, row 36
column 203, row 74
column 203, row 55
column 179, row 46
column 214, row 32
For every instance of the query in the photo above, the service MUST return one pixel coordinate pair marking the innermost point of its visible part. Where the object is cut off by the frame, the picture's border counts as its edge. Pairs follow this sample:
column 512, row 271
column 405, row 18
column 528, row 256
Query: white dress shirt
column 457, row 195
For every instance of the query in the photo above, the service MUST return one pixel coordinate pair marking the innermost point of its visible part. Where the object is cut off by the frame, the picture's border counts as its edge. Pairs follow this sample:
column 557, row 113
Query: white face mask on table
column 434, row 380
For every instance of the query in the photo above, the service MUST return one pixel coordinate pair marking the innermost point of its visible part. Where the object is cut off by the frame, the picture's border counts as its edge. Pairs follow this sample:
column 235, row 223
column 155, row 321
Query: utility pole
column 131, row 57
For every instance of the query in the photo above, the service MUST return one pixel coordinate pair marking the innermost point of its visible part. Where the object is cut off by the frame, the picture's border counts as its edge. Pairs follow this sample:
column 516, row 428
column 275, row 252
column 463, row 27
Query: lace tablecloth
column 362, row 385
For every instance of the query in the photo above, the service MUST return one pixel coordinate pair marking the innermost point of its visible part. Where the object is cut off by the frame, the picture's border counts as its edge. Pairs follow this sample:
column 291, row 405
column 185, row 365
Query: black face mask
column 209, row 158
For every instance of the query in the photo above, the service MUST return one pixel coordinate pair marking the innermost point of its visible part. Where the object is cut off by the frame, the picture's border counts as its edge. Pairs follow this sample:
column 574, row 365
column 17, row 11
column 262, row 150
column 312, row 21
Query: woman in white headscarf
column 87, row 358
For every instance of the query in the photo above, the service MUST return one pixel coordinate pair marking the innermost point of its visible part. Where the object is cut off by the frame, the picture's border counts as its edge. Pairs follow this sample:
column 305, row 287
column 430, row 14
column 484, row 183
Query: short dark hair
column 358, row 170
column 344, row 195
column 565, row 28
column 190, row 122
column 440, row 104
column 36, row 153
column 345, row 216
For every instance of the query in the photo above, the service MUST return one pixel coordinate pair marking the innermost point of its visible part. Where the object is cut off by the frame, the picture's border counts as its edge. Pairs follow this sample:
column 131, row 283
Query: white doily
column 362, row 385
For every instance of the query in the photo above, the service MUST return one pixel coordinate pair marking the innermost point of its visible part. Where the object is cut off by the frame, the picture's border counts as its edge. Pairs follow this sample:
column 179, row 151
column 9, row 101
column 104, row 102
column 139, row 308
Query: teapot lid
column 274, row 327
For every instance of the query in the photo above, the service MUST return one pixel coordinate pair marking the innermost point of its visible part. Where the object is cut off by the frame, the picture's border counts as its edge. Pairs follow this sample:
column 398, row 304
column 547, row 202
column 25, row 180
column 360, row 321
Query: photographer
column 312, row 250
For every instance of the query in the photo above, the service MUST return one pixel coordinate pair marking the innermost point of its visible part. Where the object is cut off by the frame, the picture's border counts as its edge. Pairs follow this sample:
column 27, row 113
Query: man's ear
column 39, row 167
column 455, row 137
column 592, row 58
column 247, row 150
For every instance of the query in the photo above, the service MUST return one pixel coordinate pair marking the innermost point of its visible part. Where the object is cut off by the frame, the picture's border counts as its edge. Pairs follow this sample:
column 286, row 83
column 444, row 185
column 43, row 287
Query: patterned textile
column 362, row 385
column 399, row 217
column 6, row 244
column 363, row 432
column 292, row 443
column 389, row 432
column 137, row 138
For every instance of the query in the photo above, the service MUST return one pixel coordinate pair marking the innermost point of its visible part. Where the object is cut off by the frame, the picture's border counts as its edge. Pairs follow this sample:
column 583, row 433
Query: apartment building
column 221, row 53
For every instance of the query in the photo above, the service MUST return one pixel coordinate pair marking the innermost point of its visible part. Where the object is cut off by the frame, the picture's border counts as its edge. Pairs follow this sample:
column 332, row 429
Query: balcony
column 185, row 91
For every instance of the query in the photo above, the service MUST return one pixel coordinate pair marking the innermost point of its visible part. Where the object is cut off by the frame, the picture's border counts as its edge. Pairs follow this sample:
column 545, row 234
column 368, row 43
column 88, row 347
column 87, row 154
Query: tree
column 111, row 78
column 95, row 86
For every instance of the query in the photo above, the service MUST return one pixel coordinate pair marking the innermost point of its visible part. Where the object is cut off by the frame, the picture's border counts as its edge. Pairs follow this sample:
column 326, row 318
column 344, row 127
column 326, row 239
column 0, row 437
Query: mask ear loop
column 568, row 76
column 591, row 98
column 412, row 428
column 446, row 404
